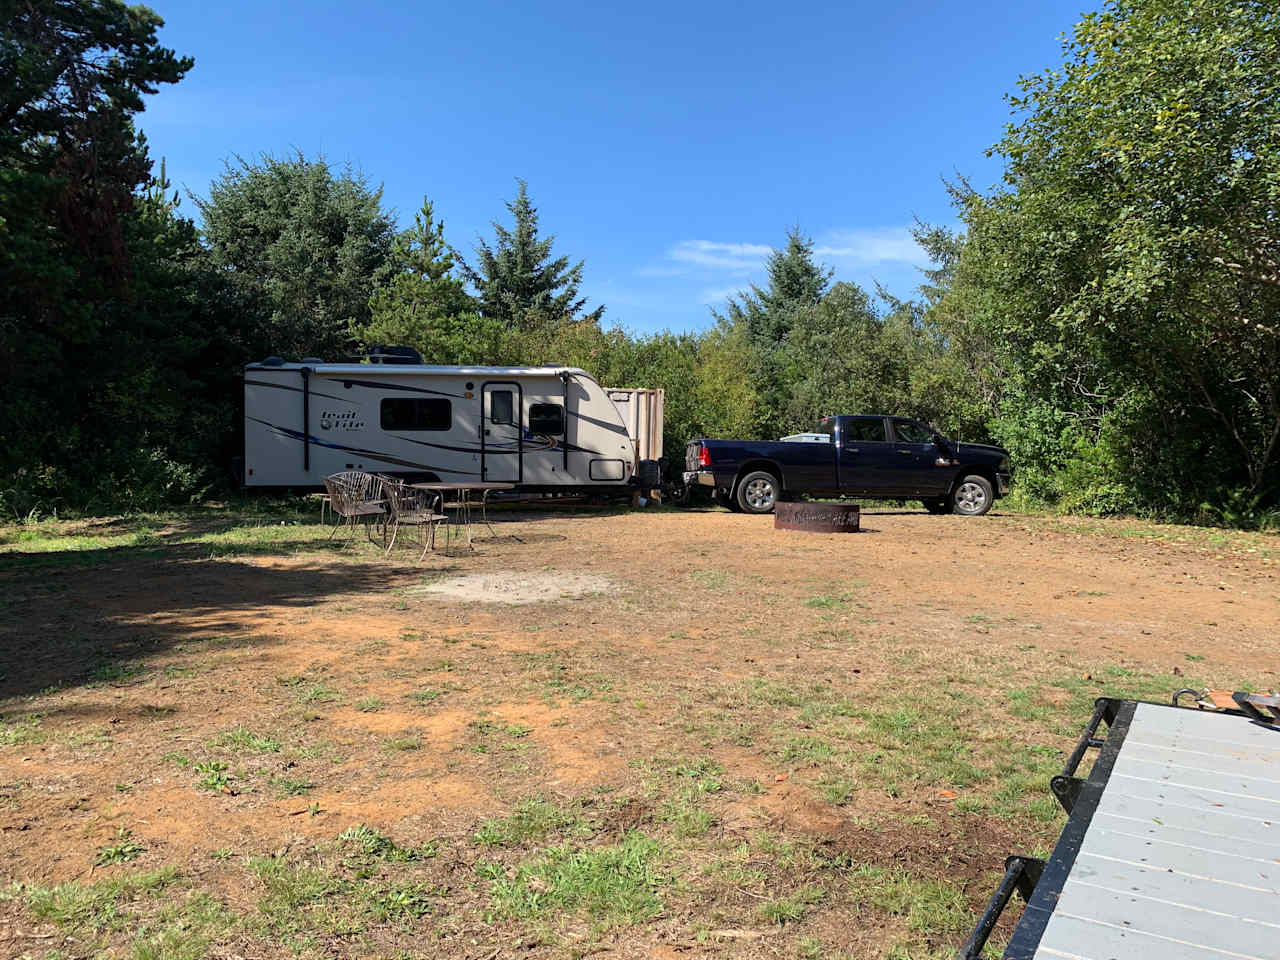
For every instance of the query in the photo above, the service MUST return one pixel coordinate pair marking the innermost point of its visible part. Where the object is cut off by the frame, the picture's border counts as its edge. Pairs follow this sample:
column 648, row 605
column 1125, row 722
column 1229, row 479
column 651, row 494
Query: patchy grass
column 125, row 849
column 620, row 883
column 245, row 740
column 791, row 909
column 24, row 730
column 714, row 743
column 928, row 905
column 134, row 907
column 532, row 820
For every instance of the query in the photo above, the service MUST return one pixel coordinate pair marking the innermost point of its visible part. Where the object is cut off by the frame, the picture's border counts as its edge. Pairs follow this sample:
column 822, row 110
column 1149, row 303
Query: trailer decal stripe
column 375, row 454
column 281, row 386
column 392, row 386
column 611, row 427
column 547, row 444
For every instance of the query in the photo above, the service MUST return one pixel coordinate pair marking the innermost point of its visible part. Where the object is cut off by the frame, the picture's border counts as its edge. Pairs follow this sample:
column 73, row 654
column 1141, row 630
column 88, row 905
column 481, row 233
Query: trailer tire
column 758, row 492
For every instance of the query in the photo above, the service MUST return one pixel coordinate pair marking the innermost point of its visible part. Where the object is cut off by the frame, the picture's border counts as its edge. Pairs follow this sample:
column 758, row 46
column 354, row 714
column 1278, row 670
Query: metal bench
column 1171, row 847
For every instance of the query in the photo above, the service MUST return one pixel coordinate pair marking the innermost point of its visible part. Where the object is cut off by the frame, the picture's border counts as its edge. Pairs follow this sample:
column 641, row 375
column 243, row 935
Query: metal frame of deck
column 1171, row 847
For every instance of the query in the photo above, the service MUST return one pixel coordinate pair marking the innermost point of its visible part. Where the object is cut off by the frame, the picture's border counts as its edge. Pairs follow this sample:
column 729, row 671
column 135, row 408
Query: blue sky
column 670, row 145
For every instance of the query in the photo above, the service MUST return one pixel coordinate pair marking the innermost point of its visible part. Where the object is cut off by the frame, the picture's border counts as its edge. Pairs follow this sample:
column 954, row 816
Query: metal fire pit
column 816, row 517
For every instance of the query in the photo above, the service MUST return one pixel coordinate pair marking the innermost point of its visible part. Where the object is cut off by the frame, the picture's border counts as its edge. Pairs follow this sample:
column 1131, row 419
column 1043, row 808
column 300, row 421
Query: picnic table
column 463, row 504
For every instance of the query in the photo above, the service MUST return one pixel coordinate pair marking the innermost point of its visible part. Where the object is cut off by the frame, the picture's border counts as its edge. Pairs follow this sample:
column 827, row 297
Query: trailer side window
column 416, row 413
column 502, row 406
column 547, row 418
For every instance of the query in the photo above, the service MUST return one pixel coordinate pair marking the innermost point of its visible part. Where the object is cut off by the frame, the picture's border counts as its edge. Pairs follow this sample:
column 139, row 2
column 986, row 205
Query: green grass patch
column 289, row 787
column 320, row 693
column 533, row 819
column 103, row 905
column 125, row 849
column 22, row 731
column 213, row 775
column 109, row 673
column 791, row 908
column 928, row 905
column 811, row 750
column 368, row 842
column 619, row 884
column 243, row 739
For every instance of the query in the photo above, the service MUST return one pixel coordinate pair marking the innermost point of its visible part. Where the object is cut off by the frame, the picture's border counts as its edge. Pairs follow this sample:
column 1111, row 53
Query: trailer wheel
column 758, row 492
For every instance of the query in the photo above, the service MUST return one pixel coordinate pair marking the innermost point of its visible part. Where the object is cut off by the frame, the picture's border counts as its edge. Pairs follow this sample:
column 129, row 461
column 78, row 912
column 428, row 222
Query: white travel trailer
column 544, row 429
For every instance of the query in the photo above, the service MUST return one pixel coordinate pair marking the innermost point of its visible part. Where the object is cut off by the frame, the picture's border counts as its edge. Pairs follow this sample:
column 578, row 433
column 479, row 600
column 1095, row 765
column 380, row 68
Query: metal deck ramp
column 1171, row 849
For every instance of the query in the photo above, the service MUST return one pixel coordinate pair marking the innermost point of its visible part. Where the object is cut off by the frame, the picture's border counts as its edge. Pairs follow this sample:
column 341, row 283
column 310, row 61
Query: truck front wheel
column 972, row 496
column 758, row 492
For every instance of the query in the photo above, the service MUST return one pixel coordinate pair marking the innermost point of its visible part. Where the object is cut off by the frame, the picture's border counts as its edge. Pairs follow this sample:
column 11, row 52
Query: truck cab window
column 546, row 418
column 501, row 406
column 908, row 431
column 863, row 430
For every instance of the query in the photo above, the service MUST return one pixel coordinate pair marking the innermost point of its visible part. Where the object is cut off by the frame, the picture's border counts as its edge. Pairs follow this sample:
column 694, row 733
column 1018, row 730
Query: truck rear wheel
column 758, row 492
column 972, row 496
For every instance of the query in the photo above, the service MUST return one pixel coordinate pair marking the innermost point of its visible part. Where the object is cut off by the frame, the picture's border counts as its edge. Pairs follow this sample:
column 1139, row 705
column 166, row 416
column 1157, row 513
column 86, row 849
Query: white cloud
column 866, row 247
column 739, row 257
column 716, row 296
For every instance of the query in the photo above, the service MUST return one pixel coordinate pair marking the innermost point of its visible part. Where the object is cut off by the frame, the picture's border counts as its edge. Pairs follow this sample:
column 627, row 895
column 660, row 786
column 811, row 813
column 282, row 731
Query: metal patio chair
column 413, row 508
column 355, row 497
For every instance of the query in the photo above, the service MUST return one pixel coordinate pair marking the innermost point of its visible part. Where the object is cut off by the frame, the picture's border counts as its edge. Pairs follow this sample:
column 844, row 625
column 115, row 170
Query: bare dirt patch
column 519, row 589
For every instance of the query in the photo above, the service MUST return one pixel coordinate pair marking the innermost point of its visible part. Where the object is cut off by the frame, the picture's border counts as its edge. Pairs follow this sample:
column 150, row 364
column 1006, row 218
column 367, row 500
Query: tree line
column 1108, row 311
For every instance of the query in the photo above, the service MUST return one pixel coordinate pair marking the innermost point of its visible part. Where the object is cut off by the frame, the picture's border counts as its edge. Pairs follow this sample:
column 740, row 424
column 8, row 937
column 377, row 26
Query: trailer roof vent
column 385, row 354
column 311, row 360
column 273, row 362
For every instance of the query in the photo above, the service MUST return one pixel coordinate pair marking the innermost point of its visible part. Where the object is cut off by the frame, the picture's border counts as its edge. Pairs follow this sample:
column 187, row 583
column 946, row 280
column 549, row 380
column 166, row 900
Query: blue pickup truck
column 896, row 458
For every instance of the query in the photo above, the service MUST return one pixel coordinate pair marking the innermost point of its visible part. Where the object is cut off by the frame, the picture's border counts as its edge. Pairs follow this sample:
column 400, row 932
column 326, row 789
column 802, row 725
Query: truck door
column 866, row 460
column 915, row 446
column 502, row 432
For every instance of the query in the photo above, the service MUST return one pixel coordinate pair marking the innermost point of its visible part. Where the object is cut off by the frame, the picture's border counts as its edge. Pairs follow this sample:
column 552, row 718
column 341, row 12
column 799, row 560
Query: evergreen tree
column 421, row 288
column 518, row 281
column 78, row 255
column 306, row 247
column 796, row 284
column 424, row 305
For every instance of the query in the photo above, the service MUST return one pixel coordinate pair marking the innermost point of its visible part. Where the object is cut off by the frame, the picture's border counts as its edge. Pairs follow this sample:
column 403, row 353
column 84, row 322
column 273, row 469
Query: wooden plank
column 1069, row 937
column 1181, row 859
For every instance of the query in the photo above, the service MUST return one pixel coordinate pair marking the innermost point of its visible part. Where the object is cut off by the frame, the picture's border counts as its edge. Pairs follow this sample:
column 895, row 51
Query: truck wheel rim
column 760, row 494
column 971, row 497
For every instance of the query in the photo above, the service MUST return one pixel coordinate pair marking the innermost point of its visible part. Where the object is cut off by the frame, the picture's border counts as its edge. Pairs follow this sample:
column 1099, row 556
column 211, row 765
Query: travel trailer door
column 502, row 432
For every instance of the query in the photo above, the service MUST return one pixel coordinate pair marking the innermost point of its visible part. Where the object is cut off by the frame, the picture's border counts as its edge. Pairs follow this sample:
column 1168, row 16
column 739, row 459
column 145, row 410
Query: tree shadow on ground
column 93, row 616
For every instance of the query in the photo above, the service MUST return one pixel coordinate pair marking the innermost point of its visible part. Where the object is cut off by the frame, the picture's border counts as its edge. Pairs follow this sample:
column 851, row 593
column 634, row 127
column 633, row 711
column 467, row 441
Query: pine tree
column 518, row 280
column 795, row 282
column 423, row 285
column 423, row 304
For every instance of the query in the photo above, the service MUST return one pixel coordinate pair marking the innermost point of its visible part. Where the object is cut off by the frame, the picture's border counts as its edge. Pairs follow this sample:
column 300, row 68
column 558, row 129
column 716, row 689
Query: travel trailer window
column 547, row 418
column 501, row 407
column 416, row 413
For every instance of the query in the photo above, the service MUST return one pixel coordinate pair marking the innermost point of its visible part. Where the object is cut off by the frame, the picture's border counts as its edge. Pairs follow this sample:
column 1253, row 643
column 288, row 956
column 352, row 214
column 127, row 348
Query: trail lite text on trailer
column 544, row 429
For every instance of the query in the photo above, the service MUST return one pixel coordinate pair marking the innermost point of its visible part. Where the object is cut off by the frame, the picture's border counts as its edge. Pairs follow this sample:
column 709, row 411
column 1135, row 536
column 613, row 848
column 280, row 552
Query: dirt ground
column 833, row 740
